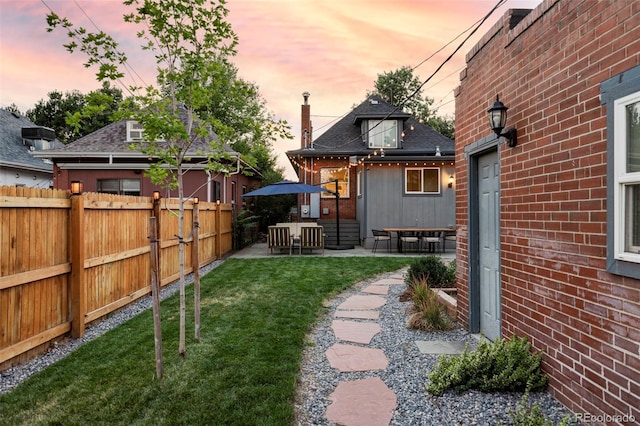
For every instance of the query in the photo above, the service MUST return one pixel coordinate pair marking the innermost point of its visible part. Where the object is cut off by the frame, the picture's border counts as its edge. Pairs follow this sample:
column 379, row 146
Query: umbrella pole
column 338, row 246
column 337, row 215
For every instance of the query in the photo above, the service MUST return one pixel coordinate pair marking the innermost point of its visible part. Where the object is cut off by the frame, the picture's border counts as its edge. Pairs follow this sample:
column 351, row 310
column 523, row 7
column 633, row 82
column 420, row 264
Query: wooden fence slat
column 32, row 342
column 35, row 275
column 39, row 235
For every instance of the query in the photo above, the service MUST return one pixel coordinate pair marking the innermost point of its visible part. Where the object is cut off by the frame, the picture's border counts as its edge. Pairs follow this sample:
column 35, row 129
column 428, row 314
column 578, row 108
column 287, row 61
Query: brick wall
column 555, row 288
column 312, row 175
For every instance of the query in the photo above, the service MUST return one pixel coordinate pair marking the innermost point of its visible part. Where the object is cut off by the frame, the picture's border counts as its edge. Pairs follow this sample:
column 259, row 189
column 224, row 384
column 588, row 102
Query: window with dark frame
column 119, row 186
column 422, row 180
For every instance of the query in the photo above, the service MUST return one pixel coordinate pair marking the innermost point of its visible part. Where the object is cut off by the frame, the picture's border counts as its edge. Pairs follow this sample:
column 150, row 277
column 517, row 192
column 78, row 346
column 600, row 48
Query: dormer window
column 383, row 134
column 134, row 131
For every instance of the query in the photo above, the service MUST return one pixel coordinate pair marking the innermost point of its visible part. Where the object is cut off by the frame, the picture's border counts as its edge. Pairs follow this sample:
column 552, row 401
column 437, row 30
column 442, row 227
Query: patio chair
column 409, row 238
column 279, row 238
column 379, row 235
column 448, row 236
column 432, row 240
column 311, row 237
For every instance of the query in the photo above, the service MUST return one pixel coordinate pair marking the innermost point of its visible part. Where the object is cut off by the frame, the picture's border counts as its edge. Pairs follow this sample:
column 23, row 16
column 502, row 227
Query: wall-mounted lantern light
column 498, row 121
column 196, row 200
column 76, row 187
column 451, row 181
column 156, row 195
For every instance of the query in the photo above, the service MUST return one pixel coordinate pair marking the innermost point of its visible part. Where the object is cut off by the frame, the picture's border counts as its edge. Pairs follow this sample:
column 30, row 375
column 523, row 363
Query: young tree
column 402, row 89
column 192, row 43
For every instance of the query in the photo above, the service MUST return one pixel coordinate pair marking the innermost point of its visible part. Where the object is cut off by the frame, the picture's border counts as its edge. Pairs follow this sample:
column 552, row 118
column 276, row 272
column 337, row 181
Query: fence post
column 157, row 212
column 155, row 293
column 218, row 217
column 78, row 302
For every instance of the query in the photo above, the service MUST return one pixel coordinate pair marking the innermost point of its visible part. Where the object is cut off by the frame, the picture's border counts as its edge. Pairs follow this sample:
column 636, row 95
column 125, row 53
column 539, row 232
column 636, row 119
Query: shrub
column 503, row 365
column 532, row 415
column 433, row 269
column 450, row 274
column 245, row 229
column 429, row 313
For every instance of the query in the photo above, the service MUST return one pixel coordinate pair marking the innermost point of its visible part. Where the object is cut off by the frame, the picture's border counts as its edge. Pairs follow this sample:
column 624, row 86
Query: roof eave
column 23, row 166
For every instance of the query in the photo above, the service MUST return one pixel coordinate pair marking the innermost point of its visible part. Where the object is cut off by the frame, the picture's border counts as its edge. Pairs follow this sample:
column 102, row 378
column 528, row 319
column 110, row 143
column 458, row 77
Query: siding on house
column 382, row 201
column 555, row 288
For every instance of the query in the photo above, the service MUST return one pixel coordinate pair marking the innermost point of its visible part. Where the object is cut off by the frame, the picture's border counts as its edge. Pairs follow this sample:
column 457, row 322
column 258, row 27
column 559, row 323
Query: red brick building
column 104, row 162
column 549, row 229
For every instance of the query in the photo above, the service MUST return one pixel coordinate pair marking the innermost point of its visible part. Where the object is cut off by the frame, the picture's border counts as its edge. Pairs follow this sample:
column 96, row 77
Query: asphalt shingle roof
column 112, row 139
column 345, row 137
column 13, row 151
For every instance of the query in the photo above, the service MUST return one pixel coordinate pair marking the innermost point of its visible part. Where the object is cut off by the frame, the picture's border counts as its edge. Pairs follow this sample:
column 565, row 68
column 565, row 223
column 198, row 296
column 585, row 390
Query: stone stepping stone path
column 357, row 314
column 348, row 358
column 440, row 347
column 362, row 302
column 355, row 331
column 377, row 289
column 366, row 402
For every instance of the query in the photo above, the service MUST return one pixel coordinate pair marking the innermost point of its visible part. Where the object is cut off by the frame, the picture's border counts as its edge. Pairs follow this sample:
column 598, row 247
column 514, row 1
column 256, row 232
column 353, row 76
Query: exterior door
column 489, row 243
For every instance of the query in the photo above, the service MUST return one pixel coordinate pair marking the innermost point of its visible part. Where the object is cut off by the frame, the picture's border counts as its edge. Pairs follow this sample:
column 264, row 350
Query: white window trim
column 621, row 177
column 406, row 191
column 135, row 132
column 376, row 127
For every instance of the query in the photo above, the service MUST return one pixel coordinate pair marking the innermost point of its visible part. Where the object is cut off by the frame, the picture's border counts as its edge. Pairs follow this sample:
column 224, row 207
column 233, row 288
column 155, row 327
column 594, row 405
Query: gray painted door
column 489, row 244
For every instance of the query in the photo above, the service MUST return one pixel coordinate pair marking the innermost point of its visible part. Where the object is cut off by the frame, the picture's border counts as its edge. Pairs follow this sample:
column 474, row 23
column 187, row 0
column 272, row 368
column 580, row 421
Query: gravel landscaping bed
column 406, row 374
column 12, row 377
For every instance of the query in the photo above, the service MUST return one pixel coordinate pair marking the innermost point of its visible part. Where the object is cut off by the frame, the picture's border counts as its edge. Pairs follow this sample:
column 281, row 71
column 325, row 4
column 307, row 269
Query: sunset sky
column 334, row 49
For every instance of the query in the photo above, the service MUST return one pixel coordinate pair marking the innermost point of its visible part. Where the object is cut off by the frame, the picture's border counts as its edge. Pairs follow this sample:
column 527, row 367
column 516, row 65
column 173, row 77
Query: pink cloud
column 333, row 49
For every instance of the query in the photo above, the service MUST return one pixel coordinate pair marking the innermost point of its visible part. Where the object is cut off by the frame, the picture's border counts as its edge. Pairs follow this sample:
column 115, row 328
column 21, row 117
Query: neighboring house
column 19, row 139
column 392, row 171
column 549, row 229
column 104, row 162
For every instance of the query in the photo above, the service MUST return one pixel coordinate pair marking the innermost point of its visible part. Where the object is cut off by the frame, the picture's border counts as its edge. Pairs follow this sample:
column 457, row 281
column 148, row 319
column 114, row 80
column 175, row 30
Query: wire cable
column 477, row 24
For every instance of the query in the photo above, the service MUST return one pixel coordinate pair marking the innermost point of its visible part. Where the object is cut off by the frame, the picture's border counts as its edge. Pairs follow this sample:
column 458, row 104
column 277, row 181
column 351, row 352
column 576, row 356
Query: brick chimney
column 306, row 129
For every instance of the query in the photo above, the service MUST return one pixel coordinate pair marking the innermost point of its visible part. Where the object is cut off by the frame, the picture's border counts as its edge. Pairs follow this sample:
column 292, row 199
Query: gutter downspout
column 208, row 185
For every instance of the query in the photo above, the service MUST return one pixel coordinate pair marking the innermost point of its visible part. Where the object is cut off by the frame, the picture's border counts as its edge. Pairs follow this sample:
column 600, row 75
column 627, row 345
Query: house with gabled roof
column 549, row 220
column 20, row 138
column 389, row 169
column 104, row 162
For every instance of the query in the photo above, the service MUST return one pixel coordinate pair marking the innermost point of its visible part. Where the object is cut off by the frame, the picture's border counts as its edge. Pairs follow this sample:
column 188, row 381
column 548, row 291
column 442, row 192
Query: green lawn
column 255, row 315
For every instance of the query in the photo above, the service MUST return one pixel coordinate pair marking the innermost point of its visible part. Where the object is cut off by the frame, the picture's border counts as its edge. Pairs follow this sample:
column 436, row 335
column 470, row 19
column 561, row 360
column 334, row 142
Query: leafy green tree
column 251, row 128
column 402, row 89
column 192, row 44
column 52, row 113
column 13, row 108
column 73, row 115
column 99, row 109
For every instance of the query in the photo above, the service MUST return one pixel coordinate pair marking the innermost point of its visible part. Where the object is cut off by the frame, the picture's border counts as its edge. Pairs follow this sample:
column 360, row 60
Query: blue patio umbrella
column 285, row 187
column 290, row 187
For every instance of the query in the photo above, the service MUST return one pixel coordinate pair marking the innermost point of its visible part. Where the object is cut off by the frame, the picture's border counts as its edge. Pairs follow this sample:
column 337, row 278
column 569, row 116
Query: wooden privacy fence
column 68, row 260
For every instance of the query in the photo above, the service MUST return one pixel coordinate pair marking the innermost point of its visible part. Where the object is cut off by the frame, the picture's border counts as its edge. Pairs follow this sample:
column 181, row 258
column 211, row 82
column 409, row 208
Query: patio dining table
column 399, row 231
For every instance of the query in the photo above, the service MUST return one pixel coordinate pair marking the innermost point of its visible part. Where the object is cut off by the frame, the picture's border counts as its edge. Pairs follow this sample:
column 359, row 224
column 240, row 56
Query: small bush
column 429, row 313
column 500, row 366
column 450, row 274
column 433, row 269
column 532, row 415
